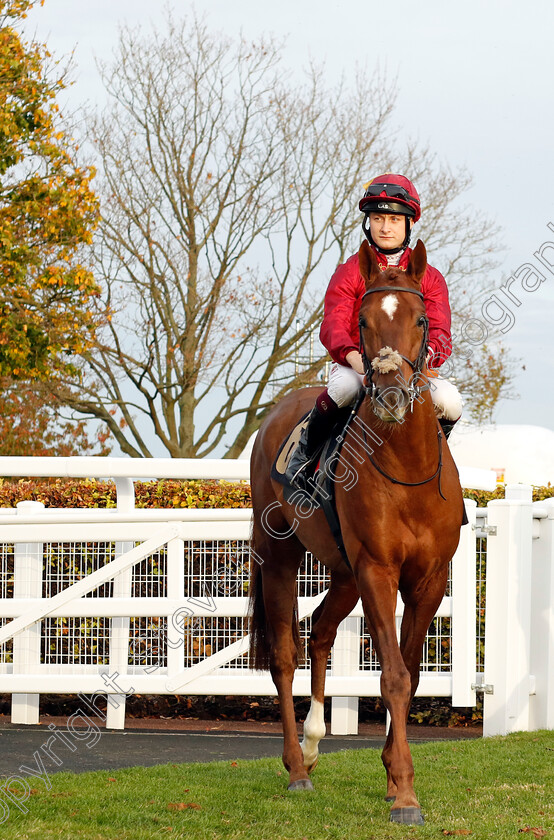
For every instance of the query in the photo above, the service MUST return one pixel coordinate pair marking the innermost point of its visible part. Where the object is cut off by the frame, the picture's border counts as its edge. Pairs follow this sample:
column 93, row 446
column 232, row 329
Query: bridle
column 414, row 390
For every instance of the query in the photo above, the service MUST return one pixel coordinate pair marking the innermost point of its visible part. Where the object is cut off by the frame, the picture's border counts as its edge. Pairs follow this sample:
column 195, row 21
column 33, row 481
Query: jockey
column 391, row 207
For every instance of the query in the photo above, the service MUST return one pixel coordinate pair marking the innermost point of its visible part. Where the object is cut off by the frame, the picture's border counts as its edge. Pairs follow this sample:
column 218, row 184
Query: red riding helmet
column 380, row 191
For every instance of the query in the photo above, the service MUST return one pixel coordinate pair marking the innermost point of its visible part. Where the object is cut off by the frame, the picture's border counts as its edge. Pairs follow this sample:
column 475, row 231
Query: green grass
column 492, row 788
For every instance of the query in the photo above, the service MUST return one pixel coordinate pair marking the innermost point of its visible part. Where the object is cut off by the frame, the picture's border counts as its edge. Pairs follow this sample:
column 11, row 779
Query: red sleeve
column 342, row 305
column 435, row 296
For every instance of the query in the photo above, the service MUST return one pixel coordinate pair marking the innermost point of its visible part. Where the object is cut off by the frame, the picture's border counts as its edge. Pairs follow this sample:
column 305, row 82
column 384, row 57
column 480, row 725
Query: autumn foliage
column 29, row 425
column 48, row 212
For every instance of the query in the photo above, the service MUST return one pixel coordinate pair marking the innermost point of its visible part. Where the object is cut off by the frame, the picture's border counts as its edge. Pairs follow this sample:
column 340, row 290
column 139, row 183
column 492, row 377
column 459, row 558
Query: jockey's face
column 388, row 230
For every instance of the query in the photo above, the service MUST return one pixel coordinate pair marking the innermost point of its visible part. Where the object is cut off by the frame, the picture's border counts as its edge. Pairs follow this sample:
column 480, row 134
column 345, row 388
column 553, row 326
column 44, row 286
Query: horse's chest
column 395, row 534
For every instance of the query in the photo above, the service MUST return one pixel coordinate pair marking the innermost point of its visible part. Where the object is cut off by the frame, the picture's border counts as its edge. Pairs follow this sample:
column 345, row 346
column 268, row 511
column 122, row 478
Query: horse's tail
column 261, row 640
column 259, row 631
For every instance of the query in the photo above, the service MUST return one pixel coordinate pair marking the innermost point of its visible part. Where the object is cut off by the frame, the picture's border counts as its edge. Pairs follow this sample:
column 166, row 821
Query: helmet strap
column 367, row 230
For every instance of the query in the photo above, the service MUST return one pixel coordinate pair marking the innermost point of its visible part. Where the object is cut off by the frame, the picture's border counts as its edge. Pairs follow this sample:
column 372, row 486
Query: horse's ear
column 417, row 264
column 369, row 267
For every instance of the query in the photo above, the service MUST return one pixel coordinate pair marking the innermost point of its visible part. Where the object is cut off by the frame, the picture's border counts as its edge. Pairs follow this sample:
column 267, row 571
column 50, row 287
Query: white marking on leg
column 389, row 305
column 314, row 731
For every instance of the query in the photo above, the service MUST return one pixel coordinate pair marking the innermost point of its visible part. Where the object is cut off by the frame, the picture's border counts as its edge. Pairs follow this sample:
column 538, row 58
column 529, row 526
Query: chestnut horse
column 400, row 525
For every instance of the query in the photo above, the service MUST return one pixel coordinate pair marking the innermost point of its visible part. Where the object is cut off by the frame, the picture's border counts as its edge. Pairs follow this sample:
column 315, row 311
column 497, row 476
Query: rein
column 413, row 390
column 413, row 483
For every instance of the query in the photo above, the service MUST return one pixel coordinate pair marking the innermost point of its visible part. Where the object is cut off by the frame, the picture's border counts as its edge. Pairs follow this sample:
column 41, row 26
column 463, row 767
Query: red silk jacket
column 340, row 332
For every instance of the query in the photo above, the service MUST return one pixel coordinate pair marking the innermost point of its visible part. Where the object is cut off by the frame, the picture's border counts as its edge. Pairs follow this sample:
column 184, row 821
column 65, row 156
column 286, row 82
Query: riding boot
column 320, row 422
column 447, row 426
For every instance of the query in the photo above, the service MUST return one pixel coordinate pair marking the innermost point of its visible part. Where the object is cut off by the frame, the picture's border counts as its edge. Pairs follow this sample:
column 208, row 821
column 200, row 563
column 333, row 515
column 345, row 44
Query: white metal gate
column 123, row 601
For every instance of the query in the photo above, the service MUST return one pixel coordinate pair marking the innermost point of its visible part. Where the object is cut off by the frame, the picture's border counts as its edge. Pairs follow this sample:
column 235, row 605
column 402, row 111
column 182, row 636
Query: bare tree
column 229, row 196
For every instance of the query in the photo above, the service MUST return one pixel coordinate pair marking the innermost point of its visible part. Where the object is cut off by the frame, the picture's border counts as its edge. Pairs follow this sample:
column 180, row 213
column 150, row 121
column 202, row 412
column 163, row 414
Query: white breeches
column 344, row 384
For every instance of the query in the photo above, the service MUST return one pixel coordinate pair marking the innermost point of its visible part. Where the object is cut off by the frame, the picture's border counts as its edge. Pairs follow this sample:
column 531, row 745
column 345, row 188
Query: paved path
column 81, row 750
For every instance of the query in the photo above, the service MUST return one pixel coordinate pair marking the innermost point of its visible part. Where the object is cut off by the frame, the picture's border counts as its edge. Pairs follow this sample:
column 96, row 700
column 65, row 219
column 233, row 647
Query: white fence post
column 26, row 645
column 542, row 623
column 508, row 612
column 345, row 663
column 464, row 583
column 119, row 627
column 175, row 634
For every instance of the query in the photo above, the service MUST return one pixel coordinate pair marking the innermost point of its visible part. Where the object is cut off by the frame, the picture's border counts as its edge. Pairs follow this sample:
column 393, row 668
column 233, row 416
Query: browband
column 393, row 289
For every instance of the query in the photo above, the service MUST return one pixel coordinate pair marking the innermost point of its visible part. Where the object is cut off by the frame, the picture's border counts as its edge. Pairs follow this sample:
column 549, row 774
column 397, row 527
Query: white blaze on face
column 389, row 305
column 314, row 731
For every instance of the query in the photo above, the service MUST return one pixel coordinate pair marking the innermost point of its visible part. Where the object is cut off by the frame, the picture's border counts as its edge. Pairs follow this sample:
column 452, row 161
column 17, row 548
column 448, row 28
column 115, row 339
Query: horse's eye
column 362, row 321
column 421, row 321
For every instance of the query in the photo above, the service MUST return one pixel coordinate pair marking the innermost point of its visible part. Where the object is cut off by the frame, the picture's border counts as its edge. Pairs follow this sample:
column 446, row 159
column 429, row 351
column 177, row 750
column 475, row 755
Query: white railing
column 166, row 596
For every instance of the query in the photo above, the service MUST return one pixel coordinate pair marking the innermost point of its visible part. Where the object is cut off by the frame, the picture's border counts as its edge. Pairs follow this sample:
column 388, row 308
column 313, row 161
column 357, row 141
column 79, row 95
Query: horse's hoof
column 390, row 798
column 301, row 784
column 407, row 816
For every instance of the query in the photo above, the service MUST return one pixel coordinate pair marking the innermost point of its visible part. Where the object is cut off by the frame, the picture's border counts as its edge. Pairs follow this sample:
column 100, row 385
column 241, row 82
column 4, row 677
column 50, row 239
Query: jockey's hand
column 431, row 371
column 354, row 359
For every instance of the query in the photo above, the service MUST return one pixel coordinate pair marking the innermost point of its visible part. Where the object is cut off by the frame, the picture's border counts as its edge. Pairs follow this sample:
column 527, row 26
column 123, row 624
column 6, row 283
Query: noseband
column 417, row 365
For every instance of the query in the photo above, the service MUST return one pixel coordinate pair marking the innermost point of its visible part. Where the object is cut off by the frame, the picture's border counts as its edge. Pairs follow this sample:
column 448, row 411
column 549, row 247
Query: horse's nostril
column 390, row 404
column 391, row 398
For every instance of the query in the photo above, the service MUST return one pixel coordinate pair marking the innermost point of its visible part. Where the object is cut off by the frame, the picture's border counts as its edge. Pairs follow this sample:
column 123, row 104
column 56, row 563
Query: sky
column 475, row 82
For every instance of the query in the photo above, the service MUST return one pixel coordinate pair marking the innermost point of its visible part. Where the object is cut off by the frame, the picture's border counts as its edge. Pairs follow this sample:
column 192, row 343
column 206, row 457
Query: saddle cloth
column 320, row 486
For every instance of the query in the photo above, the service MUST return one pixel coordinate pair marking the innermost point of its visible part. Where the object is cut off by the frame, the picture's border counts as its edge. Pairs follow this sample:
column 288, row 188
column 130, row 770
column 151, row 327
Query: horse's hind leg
column 281, row 560
column 338, row 603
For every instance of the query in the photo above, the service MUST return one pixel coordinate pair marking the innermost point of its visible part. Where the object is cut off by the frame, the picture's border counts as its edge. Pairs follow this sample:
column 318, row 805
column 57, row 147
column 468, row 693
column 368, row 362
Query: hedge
column 168, row 493
column 90, row 493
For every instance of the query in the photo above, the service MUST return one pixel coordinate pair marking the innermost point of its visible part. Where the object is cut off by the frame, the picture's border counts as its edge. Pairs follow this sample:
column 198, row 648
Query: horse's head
column 393, row 332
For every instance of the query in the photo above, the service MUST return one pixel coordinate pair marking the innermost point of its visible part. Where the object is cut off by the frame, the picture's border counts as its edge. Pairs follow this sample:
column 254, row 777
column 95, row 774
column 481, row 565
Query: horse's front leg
column 378, row 589
column 421, row 604
column 338, row 603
